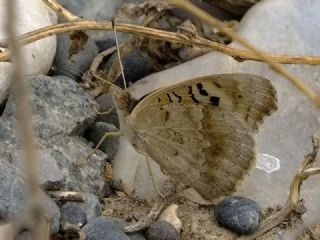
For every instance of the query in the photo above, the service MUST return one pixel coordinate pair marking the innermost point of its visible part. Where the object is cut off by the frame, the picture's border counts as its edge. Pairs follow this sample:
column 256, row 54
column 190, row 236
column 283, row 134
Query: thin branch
column 34, row 210
column 169, row 189
column 61, row 11
column 67, row 196
column 237, row 54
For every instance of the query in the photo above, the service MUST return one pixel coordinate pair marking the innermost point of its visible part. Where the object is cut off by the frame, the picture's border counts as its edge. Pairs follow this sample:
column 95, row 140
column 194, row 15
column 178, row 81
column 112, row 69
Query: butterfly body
column 200, row 131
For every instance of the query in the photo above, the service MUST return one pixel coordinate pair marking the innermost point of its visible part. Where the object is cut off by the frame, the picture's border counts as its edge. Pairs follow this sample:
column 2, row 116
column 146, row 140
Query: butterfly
column 200, row 131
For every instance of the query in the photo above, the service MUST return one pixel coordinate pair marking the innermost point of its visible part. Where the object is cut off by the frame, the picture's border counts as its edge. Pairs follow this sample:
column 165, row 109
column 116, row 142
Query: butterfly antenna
column 107, row 82
column 119, row 57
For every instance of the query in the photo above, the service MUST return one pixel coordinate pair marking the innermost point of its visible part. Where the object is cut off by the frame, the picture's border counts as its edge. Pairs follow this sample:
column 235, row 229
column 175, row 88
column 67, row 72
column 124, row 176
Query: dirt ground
column 198, row 222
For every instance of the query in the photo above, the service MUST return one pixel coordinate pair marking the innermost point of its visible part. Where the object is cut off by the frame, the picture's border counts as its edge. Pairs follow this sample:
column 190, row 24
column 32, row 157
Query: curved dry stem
column 61, row 11
column 237, row 54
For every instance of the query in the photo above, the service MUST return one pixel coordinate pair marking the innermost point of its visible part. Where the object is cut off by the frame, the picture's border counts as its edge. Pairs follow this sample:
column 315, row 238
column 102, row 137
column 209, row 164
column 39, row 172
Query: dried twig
column 67, row 196
column 87, row 76
column 293, row 204
column 237, row 54
column 154, row 213
column 34, row 210
column 61, row 11
column 260, row 54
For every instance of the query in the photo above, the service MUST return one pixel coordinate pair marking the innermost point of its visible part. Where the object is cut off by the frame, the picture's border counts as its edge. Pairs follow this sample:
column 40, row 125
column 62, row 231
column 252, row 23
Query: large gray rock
column 277, row 26
column 13, row 195
column 61, row 111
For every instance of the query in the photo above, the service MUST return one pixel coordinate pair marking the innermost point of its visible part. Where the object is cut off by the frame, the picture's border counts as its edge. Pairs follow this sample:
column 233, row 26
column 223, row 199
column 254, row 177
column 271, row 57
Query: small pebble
column 91, row 206
column 239, row 214
column 162, row 230
column 110, row 145
column 105, row 102
column 136, row 65
column 107, row 228
column 73, row 213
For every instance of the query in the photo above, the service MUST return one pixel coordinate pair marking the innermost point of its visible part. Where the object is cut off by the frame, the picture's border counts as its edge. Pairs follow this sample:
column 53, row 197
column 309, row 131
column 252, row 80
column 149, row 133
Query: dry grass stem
column 61, row 11
column 260, row 54
column 293, row 206
column 34, row 209
column 67, row 196
column 87, row 76
column 169, row 189
column 238, row 54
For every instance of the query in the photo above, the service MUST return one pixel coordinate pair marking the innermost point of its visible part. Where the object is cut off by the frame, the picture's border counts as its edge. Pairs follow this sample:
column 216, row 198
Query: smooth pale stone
column 38, row 56
column 131, row 167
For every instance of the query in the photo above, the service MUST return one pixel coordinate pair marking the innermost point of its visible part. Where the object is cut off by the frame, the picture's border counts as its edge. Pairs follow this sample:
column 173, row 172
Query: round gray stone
column 162, row 230
column 238, row 214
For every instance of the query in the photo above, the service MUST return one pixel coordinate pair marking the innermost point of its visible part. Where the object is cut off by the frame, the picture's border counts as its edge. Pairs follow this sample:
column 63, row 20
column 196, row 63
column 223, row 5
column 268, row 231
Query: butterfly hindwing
column 208, row 149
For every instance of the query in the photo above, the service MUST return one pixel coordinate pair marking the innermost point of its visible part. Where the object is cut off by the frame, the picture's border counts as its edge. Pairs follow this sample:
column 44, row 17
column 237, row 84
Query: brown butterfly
column 200, row 131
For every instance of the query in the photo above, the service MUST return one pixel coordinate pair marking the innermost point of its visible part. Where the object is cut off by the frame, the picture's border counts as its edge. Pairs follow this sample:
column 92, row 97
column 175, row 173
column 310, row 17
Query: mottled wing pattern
column 200, row 131
column 249, row 97
column 208, row 149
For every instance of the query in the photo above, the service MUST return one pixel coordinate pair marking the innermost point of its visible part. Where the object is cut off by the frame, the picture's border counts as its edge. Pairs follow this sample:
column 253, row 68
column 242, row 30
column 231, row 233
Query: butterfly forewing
column 248, row 96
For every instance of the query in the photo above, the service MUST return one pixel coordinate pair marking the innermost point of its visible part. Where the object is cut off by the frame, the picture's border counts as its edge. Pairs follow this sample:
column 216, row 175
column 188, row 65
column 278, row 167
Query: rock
column 6, row 231
column 107, row 228
column 131, row 168
column 38, row 55
column 50, row 175
column 136, row 65
column 60, row 105
column 71, row 212
column 91, row 206
column 62, row 110
column 80, row 174
column 110, row 144
column 81, row 212
column 13, row 195
column 95, row 10
column 167, row 227
column 75, row 65
column 170, row 215
column 238, row 214
column 105, row 102
column 162, row 230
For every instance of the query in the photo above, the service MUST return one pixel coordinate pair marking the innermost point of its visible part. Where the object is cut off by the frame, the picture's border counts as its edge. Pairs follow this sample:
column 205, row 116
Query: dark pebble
column 107, row 228
column 105, row 102
column 239, row 214
column 136, row 65
column 162, row 230
column 110, row 144
column 73, row 213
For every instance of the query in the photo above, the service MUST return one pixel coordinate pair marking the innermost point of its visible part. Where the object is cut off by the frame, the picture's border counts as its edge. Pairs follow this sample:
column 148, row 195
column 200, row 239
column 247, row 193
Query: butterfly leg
column 107, row 134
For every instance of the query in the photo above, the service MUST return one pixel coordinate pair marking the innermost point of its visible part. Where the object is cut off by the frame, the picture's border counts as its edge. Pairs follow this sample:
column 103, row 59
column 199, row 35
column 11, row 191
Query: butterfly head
column 123, row 100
